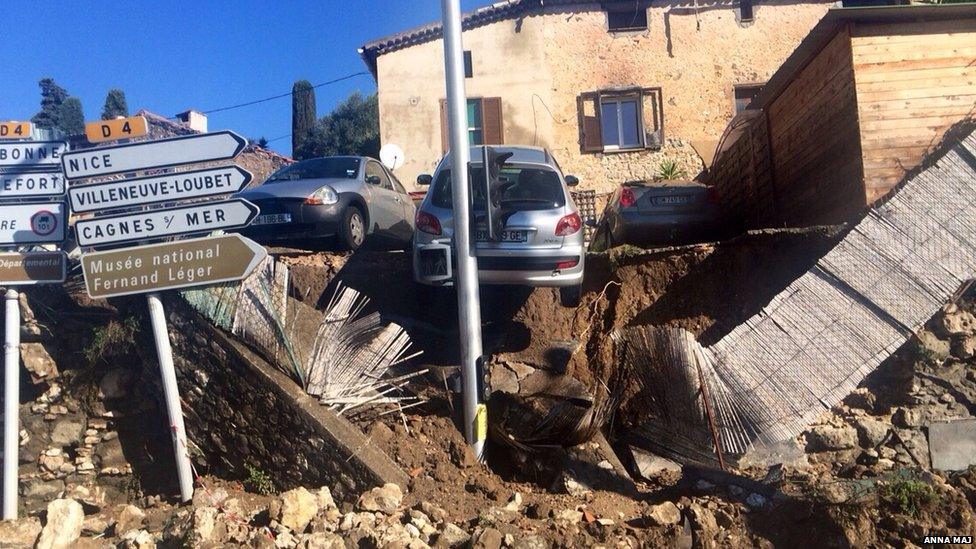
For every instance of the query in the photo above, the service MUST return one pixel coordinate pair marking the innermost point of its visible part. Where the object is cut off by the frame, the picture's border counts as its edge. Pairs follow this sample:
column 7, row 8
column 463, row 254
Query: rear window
column 525, row 189
column 317, row 168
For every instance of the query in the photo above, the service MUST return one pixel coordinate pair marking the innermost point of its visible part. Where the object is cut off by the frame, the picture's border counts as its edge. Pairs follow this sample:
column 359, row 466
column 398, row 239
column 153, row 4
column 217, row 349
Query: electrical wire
column 255, row 102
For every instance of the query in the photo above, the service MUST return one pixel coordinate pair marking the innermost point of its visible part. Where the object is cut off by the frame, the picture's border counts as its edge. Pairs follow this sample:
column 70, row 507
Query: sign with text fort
column 151, row 155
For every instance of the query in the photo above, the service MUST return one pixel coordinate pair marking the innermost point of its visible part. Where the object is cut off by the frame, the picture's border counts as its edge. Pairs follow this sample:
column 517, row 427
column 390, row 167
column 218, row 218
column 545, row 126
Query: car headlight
column 323, row 196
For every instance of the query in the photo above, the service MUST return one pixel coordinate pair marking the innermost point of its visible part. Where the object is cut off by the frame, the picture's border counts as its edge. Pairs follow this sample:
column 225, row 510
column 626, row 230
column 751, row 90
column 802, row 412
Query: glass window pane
column 630, row 125
column 608, row 119
column 474, row 113
column 476, row 137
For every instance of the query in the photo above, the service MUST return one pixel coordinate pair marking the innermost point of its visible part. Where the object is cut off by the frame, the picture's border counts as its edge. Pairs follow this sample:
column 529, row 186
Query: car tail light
column 627, row 198
column 569, row 224
column 711, row 195
column 428, row 223
column 567, row 264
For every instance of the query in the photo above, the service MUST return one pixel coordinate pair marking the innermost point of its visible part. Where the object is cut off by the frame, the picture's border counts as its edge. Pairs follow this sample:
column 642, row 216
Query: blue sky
column 172, row 55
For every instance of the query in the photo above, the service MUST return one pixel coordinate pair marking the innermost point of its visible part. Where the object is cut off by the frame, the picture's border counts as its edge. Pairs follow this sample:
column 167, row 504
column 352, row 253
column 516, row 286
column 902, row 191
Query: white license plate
column 481, row 235
column 669, row 200
column 271, row 219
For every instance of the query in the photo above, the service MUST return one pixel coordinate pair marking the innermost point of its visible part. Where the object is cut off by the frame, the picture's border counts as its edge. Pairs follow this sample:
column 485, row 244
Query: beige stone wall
column 543, row 62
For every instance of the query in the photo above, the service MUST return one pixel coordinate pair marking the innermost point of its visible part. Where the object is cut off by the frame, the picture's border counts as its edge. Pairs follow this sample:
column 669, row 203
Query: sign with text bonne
column 15, row 130
column 170, row 266
column 120, row 128
column 29, row 154
column 202, row 217
column 39, row 267
column 33, row 223
column 151, row 155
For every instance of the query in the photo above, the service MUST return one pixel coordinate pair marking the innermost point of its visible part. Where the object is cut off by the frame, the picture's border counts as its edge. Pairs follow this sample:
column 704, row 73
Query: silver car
column 661, row 213
column 542, row 240
column 346, row 197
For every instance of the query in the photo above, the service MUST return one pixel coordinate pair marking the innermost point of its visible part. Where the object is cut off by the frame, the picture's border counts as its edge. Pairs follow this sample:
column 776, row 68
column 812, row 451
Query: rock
column 204, row 523
column 531, row 542
column 452, row 536
column 704, row 526
column 95, row 524
column 959, row 322
column 324, row 497
column 650, row 465
column 861, row 399
column 20, row 532
column 461, row 455
column 385, row 499
column 489, row 538
column 321, row 540
column 38, row 362
column 755, row 501
column 63, row 527
column 870, row 431
column 571, row 516
column 110, row 455
column 433, row 512
column 907, row 418
column 664, row 514
column 823, row 438
column 298, row 508
column 67, row 431
column 138, row 539
column 573, row 486
column 130, row 518
column 514, row 502
column 539, row 510
column 114, row 384
column 937, row 348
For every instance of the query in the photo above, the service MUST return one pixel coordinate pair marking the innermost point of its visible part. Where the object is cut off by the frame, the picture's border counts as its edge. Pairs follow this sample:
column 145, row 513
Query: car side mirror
column 425, row 179
column 373, row 179
column 572, row 180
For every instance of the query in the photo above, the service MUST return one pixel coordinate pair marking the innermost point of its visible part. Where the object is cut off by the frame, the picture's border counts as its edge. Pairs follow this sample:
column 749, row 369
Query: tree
column 263, row 142
column 352, row 128
column 115, row 105
column 71, row 118
column 52, row 97
column 302, row 112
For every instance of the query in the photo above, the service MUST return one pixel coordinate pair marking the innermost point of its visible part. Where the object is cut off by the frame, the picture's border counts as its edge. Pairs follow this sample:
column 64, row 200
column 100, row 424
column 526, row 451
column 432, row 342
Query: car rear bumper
column 656, row 228
column 535, row 267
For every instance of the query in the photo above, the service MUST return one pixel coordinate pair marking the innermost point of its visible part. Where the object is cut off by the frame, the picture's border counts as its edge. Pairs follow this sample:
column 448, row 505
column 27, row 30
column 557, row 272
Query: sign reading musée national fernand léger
column 33, row 223
column 28, row 154
column 171, row 265
column 36, row 267
column 31, row 185
column 158, row 189
column 203, row 217
column 150, row 155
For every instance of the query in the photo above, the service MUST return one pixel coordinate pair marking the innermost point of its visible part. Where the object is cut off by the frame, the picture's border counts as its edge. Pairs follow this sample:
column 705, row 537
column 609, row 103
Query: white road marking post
column 11, row 403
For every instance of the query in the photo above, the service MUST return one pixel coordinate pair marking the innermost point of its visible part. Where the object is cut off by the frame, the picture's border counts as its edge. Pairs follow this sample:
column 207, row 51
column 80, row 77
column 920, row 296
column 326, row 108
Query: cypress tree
column 71, row 119
column 52, row 97
column 115, row 105
column 302, row 113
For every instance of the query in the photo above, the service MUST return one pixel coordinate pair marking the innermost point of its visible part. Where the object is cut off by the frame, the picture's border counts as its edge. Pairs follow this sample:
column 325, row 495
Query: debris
column 452, row 536
column 385, row 499
column 664, row 514
column 952, row 445
column 130, row 518
column 63, row 526
column 298, row 508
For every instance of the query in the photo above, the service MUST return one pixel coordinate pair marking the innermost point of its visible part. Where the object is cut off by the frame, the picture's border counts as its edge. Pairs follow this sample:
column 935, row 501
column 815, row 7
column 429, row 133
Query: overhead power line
column 255, row 102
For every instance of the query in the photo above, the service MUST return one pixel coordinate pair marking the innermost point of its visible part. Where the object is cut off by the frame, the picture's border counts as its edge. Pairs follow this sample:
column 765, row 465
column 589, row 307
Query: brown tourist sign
column 38, row 267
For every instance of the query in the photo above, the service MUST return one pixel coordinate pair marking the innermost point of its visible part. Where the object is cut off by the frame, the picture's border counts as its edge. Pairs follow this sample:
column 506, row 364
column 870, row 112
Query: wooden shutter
column 652, row 116
column 588, row 110
column 491, row 119
column 445, row 139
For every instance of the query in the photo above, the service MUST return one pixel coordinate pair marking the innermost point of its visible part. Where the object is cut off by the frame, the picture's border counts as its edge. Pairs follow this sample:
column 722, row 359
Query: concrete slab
column 952, row 445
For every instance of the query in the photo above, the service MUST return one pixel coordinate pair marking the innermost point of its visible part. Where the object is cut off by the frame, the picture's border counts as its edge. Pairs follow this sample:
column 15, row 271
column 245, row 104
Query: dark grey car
column 347, row 197
column 661, row 213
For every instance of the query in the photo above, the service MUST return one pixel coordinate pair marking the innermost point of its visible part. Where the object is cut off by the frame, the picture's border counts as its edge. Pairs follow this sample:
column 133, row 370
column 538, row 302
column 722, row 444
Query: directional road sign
column 171, row 265
column 158, row 189
column 203, row 217
column 15, row 130
column 120, row 128
column 150, row 155
column 40, row 267
column 31, row 185
column 28, row 154
column 33, row 223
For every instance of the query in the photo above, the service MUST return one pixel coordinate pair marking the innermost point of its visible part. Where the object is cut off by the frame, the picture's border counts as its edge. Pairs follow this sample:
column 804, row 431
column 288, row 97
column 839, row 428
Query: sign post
column 11, row 401
column 150, row 268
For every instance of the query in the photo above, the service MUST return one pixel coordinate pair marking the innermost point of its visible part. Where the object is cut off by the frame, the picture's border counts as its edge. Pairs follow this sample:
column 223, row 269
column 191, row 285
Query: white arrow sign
column 150, row 155
column 31, row 185
column 172, row 187
column 32, row 223
column 25, row 154
column 203, row 217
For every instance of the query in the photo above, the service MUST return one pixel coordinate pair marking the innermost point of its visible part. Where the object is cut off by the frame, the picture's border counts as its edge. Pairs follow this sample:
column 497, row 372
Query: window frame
column 384, row 177
column 627, row 8
column 480, row 127
column 618, row 100
column 743, row 86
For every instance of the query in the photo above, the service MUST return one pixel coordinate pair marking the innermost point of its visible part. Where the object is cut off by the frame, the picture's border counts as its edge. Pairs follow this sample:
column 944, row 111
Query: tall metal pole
column 11, row 403
column 466, row 278
column 171, row 393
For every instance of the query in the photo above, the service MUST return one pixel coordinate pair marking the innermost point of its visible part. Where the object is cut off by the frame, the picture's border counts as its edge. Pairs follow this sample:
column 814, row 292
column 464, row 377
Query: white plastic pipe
column 11, row 403
column 171, row 393
column 466, row 278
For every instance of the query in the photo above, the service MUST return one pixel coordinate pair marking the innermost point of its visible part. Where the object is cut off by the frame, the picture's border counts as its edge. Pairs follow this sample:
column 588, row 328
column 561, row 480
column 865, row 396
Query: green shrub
column 112, row 339
column 258, row 481
column 909, row 495
column 669, row 169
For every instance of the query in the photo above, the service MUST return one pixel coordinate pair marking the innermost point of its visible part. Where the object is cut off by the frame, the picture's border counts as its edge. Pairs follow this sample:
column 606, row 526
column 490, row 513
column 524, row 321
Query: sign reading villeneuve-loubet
column 157, row 189
column 37, row 267
column 150, row 155
column 26, row 154
column 170, row 265
column 32, row 223
column 203, row 217
column 31, row 185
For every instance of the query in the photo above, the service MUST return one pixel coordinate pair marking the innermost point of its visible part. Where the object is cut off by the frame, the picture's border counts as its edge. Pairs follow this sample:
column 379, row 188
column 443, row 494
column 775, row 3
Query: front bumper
column 307, row 221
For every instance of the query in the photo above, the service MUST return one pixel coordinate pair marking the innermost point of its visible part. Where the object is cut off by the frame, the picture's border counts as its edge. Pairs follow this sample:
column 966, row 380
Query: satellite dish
column 392, row 156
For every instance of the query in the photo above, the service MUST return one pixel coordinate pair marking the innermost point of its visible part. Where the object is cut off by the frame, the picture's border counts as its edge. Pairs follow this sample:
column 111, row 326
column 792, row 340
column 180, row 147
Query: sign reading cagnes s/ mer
column 26, row 154
column 33, row 223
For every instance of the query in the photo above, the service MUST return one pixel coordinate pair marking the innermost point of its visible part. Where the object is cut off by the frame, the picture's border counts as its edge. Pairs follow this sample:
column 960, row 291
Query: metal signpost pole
column 11, row 401
column 466, row 279
column 171, row 394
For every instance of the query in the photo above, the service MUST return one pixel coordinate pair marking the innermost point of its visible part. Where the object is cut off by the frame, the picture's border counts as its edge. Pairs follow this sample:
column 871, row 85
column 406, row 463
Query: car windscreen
column 317, row 168
column 524, row 189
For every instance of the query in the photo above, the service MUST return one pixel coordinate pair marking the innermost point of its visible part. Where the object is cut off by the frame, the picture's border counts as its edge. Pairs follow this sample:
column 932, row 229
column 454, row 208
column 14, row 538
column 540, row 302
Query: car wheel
column 570, row 296
column 352, row 232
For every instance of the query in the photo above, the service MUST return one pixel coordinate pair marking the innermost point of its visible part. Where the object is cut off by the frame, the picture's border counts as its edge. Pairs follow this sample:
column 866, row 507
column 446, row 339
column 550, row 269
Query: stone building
column 612, row 88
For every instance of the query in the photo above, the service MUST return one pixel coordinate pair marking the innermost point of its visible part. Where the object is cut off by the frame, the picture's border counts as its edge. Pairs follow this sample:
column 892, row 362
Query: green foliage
column 258, row 481
column 112, row 339
column 72, row 118
column 115, row 105
column 909, row 495
column 302, row 113
column 619, row 255
column 352, row 128
column 262, row 142
column 669, row 169
column 52, row 97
